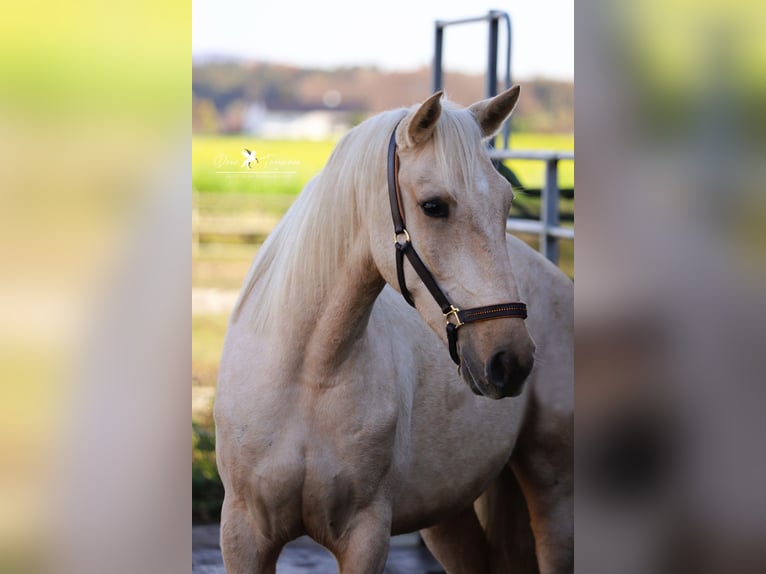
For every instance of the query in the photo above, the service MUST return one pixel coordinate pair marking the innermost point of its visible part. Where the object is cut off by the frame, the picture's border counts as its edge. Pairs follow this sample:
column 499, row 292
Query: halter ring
column 406, row 238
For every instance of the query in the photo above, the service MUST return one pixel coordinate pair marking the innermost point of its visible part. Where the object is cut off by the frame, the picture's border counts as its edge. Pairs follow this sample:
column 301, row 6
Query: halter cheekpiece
column 454, row 316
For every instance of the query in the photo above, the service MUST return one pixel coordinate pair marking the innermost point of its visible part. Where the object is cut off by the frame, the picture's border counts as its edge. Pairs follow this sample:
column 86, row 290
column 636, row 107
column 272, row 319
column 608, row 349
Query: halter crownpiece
column 454, row 316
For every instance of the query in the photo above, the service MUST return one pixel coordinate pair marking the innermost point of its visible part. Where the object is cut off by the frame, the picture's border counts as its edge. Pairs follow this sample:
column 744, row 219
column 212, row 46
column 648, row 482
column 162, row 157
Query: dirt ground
column 304, row 556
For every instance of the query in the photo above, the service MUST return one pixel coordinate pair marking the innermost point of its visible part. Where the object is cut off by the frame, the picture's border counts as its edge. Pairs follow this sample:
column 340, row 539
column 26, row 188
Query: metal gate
column 547, row 227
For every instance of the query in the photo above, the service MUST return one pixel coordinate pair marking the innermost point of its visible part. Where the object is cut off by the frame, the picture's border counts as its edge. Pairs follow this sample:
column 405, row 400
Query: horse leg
column 244, row 549
column 543, row 465
column 551, row 519
column 363, row 548
column 503, row 514
column 459, row 544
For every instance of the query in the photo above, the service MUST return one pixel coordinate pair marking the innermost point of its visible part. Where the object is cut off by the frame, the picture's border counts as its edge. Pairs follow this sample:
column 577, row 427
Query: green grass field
column 236, row 206
column 284, row 167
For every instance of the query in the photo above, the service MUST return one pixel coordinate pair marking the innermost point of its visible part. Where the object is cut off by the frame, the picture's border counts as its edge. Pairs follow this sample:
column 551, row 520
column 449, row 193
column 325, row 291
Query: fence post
column 492, row 55
column 438, row 43
column 549, row 206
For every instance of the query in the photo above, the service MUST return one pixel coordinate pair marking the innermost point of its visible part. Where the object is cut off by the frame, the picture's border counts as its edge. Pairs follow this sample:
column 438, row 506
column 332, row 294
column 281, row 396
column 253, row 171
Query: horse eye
column 435, row 208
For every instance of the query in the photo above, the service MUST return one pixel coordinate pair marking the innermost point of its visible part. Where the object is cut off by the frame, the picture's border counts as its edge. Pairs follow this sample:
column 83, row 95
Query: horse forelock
column 457, row 144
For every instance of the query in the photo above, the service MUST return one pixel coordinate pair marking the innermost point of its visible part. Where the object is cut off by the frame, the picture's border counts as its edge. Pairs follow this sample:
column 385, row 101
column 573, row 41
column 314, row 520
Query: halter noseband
column 454, row 316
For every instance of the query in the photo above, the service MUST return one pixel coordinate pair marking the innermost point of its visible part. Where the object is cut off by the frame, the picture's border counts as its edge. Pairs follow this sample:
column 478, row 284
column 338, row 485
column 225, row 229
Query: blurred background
column 670, row 289
column 272, row 80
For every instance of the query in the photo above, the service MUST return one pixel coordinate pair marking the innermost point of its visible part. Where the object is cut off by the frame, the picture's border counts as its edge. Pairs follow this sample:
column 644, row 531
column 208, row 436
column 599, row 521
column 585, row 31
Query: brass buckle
column 453, row 312
column 406, row 238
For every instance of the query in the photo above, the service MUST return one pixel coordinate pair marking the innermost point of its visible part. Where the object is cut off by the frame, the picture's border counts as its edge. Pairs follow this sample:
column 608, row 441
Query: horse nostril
column 507, row 373
column 498, row 368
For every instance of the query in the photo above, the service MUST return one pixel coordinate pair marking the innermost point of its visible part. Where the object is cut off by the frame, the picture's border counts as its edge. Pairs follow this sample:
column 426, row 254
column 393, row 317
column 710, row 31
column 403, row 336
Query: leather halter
column 454, row 316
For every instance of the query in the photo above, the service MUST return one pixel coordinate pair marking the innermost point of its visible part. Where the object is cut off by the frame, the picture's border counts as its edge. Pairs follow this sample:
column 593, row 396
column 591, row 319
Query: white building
column 298, row 122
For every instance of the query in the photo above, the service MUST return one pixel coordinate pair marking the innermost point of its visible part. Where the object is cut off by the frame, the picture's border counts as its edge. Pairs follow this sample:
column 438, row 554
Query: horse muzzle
column 506, row 372
column 501, row 375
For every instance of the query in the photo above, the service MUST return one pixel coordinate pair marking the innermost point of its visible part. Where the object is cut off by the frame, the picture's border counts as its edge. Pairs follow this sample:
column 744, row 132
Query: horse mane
column 307, row 245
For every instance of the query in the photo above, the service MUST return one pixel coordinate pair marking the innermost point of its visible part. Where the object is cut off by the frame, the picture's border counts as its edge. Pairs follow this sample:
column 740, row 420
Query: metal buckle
column 406, row 238
column 453, row 312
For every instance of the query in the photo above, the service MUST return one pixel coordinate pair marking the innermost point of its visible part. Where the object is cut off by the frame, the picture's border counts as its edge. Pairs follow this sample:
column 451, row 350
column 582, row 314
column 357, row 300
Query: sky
column 392, row 34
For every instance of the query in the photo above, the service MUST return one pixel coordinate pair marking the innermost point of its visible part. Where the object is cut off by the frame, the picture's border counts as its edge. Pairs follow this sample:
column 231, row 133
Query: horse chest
column 454, row 454
column 349, row 464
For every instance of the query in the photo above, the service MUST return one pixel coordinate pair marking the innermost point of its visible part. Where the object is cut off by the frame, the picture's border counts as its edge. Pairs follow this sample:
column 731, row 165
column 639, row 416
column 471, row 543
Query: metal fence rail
column 493, row 18
column 547, row 227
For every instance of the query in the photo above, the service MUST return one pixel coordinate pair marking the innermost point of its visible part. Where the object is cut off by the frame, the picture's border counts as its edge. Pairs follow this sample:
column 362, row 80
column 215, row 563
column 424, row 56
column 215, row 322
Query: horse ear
column 422, row 125
column 492, row 112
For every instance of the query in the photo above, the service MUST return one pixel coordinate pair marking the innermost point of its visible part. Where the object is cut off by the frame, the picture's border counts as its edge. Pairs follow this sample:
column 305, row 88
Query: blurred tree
column 205, row 116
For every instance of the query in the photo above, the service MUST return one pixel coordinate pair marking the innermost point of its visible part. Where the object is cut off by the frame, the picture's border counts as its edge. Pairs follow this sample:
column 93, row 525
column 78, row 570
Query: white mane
column 306, row 247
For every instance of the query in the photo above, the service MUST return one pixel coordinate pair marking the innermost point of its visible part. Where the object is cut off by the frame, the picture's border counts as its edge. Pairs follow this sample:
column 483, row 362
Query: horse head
column 455, row 204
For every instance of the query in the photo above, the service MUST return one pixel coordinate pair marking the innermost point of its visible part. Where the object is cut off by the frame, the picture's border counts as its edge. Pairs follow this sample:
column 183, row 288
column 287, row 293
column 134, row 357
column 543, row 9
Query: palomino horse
column 339, row 413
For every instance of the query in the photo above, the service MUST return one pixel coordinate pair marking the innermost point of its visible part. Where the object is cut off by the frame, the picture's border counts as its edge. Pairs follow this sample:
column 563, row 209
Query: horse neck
column 312, row 314
column 341, row 315
column 313, row 285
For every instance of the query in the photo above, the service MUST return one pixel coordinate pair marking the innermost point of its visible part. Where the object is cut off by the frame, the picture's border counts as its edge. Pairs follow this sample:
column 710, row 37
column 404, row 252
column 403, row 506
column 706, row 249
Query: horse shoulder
column 259, row 421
